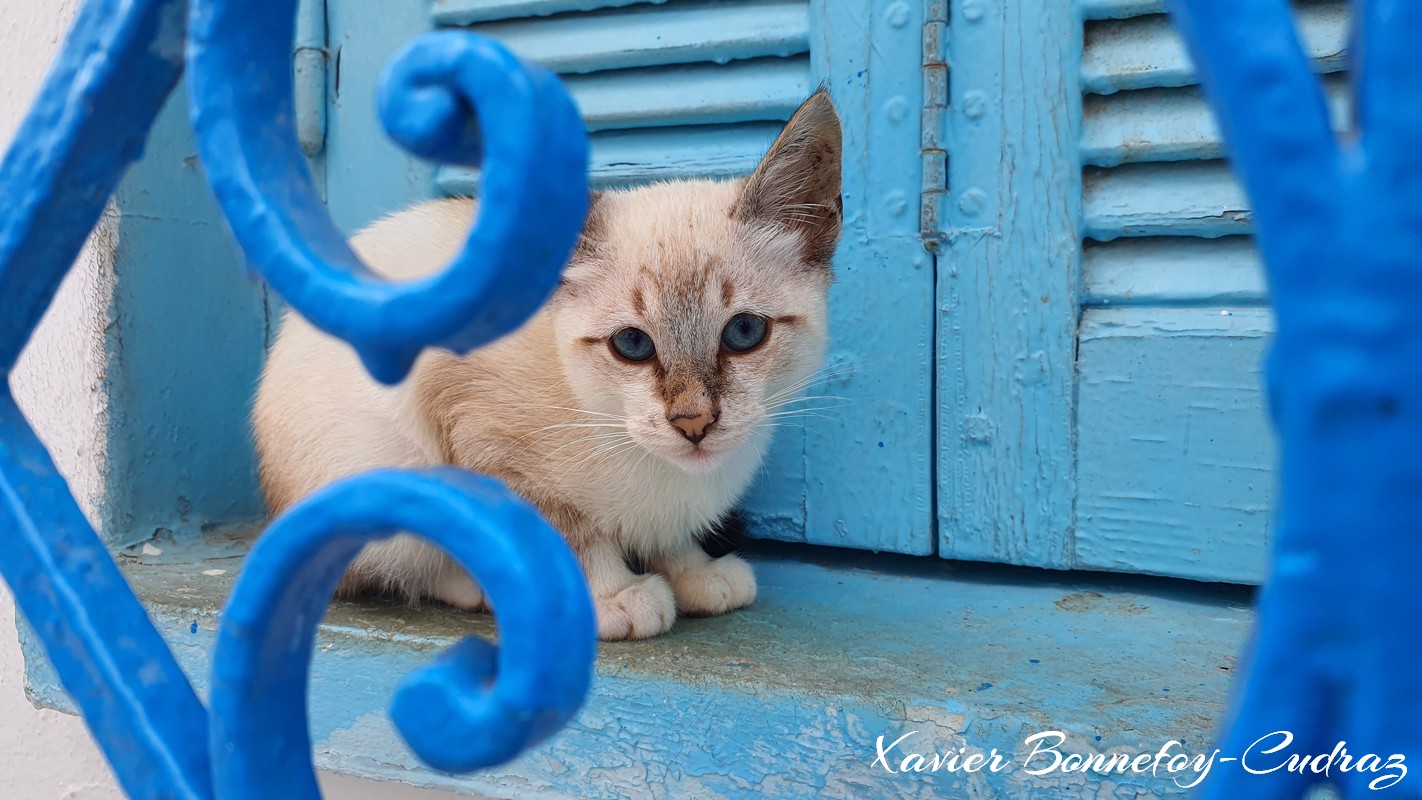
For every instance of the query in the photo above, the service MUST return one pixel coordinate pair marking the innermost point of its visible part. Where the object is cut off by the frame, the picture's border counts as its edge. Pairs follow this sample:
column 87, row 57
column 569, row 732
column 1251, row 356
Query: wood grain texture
column 1170, row 124
column 1119, row 9
column 1174, row 455
column 466, row 12
column 1195, row 198
column 868, row 473
column 1144, row 52
column 1176, row 458
column 653, row 35
column 740, row 91
column 1173, row 270
column 1007, row 284
column 637, row 156
column 787, row 698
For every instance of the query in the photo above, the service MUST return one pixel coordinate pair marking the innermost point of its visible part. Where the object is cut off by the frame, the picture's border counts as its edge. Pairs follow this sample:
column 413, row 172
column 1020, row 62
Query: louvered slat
column 1119, row 9
column 1172, row 270
column 1163, row 219
column 623, row 158
column 1180, row 199
column 1168, row 124
column 468, row 12
column 1145, row 52
column 742, row 91
column 645, row 36
column 671, row 89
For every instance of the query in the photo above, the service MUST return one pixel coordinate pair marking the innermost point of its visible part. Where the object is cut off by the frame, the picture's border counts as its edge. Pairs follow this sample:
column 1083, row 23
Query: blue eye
column 744, row 333
column 633, row 344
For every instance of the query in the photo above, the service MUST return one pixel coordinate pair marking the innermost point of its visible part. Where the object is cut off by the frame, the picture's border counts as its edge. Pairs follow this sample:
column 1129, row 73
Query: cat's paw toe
column 640, row 610
column 459, row 591
column 723, row 584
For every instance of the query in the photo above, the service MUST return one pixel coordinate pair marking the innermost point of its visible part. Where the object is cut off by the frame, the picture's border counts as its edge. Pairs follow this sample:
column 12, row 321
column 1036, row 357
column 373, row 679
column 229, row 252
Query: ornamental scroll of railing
column 478, row 704
column 1337, row 655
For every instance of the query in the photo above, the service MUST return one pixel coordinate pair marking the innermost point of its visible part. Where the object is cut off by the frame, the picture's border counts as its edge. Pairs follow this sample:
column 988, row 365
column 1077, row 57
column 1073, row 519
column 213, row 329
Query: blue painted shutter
column 669, row 90
column 1176, row 457
column 700, row 88
column 1172, row 451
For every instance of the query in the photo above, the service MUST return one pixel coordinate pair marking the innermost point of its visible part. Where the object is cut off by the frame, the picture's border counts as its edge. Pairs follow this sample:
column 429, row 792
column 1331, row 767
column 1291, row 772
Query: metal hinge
column 310, row 61
column 932, row 145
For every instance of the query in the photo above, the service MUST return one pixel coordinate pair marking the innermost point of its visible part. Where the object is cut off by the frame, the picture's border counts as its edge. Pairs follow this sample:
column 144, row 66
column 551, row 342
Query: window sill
column 786, row 698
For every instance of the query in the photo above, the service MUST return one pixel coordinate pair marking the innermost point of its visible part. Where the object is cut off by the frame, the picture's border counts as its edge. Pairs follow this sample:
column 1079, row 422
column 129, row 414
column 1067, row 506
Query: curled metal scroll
column 529, row 141
column 478, row 704
column 1334, row 661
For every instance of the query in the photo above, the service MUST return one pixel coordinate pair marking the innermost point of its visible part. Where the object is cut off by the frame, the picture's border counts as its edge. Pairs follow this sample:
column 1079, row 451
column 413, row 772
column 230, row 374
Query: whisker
column 792, row 412
column 823, row 374
column 600, row 439
column 602, row 451
column 838, row 400
column 570, row 429
column 580, row 411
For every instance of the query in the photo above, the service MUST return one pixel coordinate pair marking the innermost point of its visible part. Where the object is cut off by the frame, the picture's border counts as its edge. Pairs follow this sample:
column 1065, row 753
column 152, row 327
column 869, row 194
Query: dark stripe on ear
column 797, row 185
column 594, row 227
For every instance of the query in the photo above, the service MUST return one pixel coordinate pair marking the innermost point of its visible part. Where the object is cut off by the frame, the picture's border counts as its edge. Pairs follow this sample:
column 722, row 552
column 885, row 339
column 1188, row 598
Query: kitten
column 633, row 409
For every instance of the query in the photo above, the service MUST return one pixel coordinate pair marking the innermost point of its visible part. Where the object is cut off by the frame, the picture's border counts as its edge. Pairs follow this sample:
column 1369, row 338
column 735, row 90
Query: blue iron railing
column 1337, row 657
column 1339, row 223
column 478, row 704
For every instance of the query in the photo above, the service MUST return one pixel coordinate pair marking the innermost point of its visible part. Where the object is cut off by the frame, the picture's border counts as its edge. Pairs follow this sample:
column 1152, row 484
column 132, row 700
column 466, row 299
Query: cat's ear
column 591, row 241
column 797, row 185
column 594, row 231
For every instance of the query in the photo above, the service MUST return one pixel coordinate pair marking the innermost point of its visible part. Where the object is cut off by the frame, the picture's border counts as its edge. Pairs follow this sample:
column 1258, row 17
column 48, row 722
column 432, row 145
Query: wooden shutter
column 1172, row 454
column 700, row 88
column 667, row 90
column 1176, row 457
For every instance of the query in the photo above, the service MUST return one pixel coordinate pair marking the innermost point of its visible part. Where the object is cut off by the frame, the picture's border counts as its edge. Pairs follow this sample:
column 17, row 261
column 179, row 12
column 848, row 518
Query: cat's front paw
column 640, row 610
column 458, row 590
column 713, row 587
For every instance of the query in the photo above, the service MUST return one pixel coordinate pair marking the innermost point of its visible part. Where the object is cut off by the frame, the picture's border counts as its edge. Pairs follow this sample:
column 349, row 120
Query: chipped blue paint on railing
column 1339, row 225
column 478, row 704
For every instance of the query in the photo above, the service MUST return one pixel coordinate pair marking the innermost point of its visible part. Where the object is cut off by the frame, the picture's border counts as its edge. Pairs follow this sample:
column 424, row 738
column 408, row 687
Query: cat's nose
column 693, row 425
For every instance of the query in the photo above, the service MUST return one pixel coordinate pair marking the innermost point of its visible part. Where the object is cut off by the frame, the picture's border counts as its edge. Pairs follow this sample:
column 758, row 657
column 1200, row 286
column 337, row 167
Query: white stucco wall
column 46, row 755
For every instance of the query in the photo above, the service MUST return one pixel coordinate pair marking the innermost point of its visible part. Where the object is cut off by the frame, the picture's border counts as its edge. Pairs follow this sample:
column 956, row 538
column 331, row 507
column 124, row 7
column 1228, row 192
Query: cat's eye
column 744, row 333
column 633, row 344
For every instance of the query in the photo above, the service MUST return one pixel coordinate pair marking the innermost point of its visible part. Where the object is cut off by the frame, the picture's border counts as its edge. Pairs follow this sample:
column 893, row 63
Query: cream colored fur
column 551, row 410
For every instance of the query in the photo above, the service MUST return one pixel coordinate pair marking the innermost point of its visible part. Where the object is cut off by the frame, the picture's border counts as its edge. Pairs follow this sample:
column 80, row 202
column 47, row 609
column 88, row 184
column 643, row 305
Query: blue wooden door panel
column 868, row 461
column 700, row 88
column 1100, row 301
column 1007, row 283
column 1175, row 455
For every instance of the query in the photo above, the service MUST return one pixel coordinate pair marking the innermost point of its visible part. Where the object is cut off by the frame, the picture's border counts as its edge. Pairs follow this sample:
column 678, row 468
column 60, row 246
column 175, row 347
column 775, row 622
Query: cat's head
column 691, row 308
